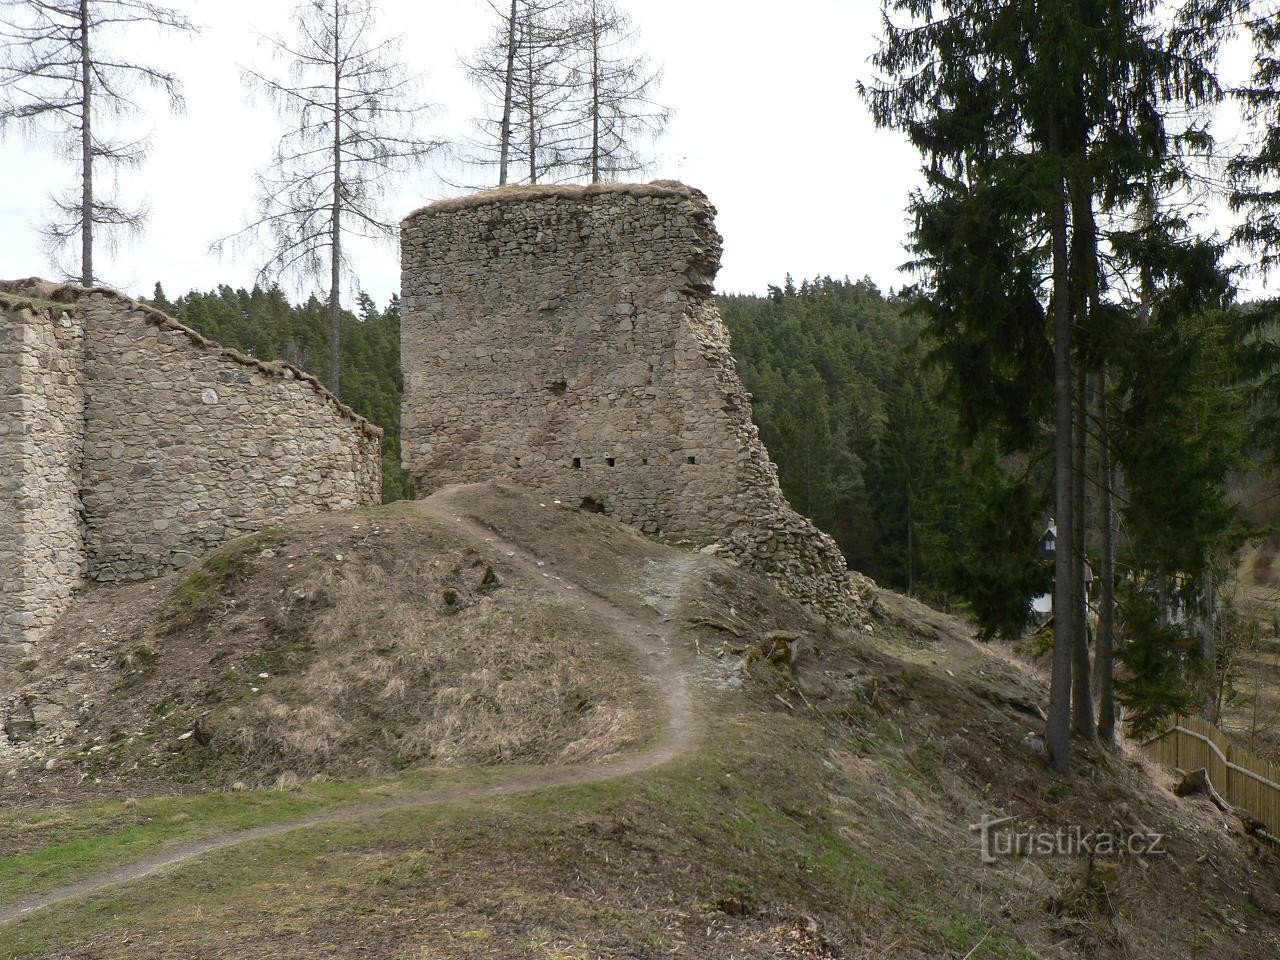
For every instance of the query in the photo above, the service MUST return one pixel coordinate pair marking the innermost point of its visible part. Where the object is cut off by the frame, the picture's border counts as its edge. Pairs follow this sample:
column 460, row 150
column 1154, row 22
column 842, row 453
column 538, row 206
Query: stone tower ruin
column 130, row 445
column 566, row 338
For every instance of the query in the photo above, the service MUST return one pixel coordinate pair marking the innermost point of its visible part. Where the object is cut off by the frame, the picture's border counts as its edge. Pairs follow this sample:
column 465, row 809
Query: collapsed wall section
column 567, row 338
column 41, row 421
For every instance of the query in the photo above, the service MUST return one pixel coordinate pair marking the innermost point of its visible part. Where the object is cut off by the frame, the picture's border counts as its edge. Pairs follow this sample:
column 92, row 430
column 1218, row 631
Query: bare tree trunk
column 533, row 123
column 504, row 149
column 1257, row 696
column 1058, row 724
column 335, row 249
column 86, row 150
column 1105, row 654
column 595, row 91
column 1082, row 719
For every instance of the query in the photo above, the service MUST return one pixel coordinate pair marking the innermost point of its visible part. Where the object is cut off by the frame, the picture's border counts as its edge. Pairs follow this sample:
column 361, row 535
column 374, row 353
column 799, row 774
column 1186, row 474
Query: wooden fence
column 1243, row 779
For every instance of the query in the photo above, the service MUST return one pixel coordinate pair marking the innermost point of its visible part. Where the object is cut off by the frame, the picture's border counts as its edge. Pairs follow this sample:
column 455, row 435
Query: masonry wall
column 41, row 414
column 567, row 338
column 188, row 445
column 131, row 445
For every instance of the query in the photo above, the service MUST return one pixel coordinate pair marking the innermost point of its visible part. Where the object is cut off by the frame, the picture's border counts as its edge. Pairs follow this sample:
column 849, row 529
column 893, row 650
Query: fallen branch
column 719, row 624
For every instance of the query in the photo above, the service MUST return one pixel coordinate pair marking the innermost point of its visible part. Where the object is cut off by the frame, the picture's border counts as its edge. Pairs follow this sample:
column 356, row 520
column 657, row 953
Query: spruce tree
column 1254, row 169
column 1058, row 111
column 1180, row 432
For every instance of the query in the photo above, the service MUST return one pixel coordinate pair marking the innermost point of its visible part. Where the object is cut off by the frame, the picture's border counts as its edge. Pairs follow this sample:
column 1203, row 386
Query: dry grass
column 350, row 644
column 603, row 555
column 826, row 817
column 659, row 188
column 498, row 685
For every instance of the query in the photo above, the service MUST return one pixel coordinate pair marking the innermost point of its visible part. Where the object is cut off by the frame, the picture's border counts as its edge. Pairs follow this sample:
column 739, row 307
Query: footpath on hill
column 653, row 638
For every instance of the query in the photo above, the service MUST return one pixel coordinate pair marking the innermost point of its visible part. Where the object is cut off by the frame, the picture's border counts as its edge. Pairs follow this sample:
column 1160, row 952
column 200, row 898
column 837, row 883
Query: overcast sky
column 767, row 122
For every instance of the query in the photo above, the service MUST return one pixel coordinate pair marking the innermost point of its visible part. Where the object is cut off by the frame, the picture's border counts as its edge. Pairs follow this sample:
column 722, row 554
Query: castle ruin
column 130, row 445
column 566, row 338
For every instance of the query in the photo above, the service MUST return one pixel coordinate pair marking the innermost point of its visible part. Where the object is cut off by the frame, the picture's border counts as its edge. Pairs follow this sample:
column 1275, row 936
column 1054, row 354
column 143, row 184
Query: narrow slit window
column 577, row 463
column 610, row 461
column 691, row 459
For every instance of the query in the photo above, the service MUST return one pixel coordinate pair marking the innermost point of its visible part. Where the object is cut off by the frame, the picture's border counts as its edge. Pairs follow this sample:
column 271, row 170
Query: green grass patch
column 79, row 841
column 195, row 600
column 717, row 842
column 57, row 847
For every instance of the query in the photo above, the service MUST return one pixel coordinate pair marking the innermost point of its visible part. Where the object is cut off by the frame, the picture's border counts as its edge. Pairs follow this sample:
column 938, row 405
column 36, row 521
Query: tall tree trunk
column 1146, row 216
column 335, row 239
column 1084, row 285
column 911, row 548
column 1058, row 725
column 533, row 118
column 1082, row 719
column 595, row 92
column 1208, row 646
column 1105, row 654
column 86, row 150
column 504, row 148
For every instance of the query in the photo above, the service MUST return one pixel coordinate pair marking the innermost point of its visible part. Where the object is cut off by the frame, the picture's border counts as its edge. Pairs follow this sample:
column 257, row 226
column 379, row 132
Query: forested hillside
column 847, row 405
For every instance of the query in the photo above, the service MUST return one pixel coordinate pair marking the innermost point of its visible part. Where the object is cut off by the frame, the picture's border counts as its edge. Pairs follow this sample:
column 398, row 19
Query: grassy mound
column 349, row 645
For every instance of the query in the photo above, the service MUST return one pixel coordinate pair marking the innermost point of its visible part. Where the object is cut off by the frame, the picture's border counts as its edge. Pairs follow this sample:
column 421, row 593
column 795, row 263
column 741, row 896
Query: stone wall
column 41, row 410
column 188, row 445
column 138, row 444
column 567, row 338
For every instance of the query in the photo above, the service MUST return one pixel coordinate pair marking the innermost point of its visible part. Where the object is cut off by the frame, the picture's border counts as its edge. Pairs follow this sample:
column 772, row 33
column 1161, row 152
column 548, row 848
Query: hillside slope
column 501, row 728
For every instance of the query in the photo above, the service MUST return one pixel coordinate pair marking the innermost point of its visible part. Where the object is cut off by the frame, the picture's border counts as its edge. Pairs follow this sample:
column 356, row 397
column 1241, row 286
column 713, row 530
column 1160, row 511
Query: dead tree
column 350, row 117
column 614, row 93
column 61, row 72
column 523, row 72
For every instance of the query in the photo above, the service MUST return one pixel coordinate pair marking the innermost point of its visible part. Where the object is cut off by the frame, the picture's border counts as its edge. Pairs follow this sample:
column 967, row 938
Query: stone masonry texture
column 130, row 445
column 42, row 556
column 566, row 338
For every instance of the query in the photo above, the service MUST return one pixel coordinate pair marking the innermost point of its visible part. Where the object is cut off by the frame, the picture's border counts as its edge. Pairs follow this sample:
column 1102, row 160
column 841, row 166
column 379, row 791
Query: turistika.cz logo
column 998, row 839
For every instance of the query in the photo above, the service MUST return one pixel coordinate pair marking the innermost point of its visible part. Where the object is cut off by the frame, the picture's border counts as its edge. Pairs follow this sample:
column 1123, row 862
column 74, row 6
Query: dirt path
column 655, row 639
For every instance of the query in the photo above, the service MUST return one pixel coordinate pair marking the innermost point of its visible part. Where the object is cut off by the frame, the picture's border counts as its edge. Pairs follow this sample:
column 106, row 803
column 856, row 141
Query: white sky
column 767, row 121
